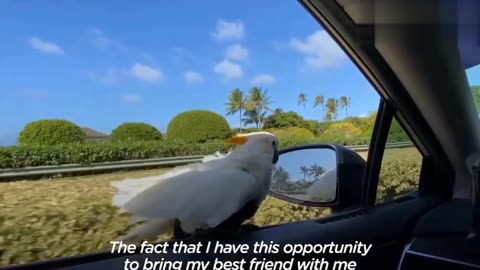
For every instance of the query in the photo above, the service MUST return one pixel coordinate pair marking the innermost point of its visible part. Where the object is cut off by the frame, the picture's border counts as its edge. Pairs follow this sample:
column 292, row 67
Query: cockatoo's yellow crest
column 237, row 140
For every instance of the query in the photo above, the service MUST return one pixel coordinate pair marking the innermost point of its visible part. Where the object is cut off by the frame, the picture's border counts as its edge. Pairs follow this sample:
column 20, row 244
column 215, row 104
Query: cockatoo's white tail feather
column 130, row 187
column 149, row 229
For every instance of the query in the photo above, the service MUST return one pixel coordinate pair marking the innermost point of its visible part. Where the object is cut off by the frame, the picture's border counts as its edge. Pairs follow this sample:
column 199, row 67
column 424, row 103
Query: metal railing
column 130, row 164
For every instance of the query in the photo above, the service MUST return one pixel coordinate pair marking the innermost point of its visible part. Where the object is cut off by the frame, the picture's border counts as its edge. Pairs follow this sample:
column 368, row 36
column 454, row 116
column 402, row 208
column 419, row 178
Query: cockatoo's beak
column 238, row 140
column 275, row 156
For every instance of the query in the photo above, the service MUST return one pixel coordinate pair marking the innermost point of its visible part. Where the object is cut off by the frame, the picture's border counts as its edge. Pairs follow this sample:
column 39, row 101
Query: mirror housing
column 344, row 177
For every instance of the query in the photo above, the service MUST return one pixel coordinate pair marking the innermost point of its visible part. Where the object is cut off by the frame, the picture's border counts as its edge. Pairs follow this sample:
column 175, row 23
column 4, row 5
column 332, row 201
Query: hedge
column 51, row 132
column 135, row 132
column 87, row 153
column 198, row 126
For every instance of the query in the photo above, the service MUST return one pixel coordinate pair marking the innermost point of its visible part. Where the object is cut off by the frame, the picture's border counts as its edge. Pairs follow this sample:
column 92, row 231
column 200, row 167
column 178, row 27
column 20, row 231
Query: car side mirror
column 324, row 175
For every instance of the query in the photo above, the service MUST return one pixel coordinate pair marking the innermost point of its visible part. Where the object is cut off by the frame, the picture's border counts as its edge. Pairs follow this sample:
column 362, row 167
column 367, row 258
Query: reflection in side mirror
column 306, row 175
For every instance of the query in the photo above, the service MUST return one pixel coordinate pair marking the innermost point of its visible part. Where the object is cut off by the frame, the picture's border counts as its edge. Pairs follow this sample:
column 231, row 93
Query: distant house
column 93, row 135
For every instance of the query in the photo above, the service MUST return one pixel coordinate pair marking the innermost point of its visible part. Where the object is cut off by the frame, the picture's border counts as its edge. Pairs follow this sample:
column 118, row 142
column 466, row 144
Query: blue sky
column 102, row 63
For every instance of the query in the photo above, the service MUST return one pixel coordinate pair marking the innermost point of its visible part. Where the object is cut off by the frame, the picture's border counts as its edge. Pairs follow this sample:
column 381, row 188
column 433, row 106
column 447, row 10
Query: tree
column 278, row 111
column 319, row 101
column 304, row 170
column 257, row 105
column 332, row 109
column 345, row 103
column 280, row 175
column 236, row 103
column 254, row 117
column 315, row 171
column 284, row 120
column 302, row 100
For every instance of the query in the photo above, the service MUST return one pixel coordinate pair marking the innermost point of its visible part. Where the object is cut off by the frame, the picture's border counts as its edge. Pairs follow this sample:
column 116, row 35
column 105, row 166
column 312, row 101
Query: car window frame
column 437, row 173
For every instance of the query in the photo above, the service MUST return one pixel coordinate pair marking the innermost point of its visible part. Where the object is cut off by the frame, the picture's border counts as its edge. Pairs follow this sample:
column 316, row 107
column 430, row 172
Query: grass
column 59, row 217
column 74, row 215
column 408, row 153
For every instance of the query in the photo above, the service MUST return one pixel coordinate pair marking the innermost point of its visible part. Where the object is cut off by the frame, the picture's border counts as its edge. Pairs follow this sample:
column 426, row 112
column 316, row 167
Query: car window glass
column 101, row 92
column 401, row 165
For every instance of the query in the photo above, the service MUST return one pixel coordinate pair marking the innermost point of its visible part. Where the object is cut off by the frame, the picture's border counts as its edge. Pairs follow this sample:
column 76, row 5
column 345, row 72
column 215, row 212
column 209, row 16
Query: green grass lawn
column 397, row 154
column 61, row 217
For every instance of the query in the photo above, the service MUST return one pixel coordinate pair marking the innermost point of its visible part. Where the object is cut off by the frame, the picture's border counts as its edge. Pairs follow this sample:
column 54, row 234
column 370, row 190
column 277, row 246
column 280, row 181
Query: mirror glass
column 307, row 175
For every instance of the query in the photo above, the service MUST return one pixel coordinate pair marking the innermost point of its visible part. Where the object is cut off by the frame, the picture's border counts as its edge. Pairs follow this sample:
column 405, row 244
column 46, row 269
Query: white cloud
column 99, row 39
column 146, row 73
column 229, row 70
column 363, row 115
column 225, row 30
column 45, row 46
column 110, row 77
column 192, row 76
column 236, row 52
column 131, row 98
column 263, row 79
column 320, row 51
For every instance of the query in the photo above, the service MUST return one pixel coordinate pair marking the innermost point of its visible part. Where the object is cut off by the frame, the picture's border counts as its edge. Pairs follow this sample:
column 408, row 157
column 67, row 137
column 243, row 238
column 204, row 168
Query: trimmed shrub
column 368, row 124
column 343, row 132
column 356, row 121
column 198, row 126
column 91, row 152
column 285, row 120
column 135, row 132
column 397, row 178
column 292, row 132
column 87, row 153
column 51, row 132
column 323, row 126
column 396, row 133
column 314, row 126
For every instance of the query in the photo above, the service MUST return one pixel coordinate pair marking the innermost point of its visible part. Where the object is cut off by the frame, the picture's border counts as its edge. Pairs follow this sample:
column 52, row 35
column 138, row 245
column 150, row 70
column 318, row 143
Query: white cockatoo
column 221, row 192
column 325, row 188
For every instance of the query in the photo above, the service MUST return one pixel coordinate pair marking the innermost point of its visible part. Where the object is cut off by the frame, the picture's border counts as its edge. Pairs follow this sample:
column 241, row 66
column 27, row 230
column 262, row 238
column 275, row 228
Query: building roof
column 90, row 133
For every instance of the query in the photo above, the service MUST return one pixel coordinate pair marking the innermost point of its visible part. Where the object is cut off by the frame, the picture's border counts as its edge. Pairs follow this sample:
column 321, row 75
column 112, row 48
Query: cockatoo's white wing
column 130, row 187
column 203, row 197
column 324, row 189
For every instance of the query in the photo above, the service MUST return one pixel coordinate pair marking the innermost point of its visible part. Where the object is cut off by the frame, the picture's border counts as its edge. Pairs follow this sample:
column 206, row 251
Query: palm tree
column 258, row 103
column 332, row 109
column 236, row 103
column 345, row 103
column 254, row 117
column 304, row 170
column 319, row 101
column 280, row 175
column 302, row 100
column 316, row 171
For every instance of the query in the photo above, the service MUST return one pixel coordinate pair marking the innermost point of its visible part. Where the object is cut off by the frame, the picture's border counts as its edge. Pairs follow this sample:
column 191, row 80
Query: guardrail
column 130, row 164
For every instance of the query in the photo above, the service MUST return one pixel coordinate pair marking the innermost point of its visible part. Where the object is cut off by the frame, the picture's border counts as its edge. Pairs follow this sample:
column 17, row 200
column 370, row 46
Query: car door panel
column 386, row 227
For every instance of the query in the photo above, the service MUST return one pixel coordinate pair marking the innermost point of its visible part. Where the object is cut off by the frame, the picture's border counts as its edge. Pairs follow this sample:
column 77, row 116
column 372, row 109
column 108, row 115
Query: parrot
column 220, row 193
